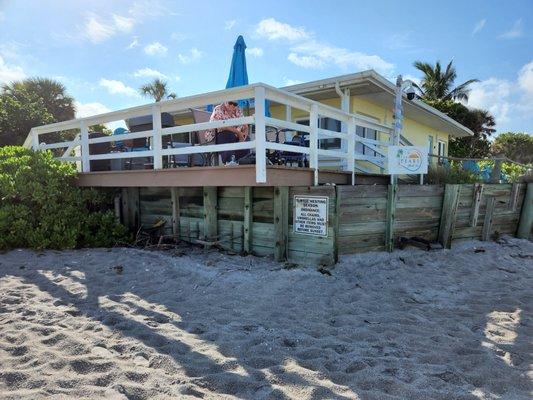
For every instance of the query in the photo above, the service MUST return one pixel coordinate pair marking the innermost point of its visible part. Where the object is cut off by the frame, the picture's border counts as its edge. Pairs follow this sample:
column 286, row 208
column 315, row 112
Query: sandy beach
column 129, row 324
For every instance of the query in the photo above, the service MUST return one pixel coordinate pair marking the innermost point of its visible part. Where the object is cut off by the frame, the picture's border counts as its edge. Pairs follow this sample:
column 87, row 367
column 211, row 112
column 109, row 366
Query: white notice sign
column 311, row 215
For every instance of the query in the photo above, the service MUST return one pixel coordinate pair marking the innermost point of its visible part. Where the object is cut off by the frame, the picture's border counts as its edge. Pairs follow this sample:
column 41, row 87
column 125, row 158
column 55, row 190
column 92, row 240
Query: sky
column 103, row 51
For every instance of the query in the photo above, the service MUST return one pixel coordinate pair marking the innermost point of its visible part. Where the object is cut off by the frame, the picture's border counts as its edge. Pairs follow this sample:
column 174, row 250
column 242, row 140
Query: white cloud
column 255, row 51
column 514, row 32
column 178, row 37
column 98, row 29
column 155, row 48
column 123, row 24
column 142, row 9
column 479, row 26
column 177, row 78
column 9, row 73
column 316, row 54
column 89, row 109
column 525, row 78
column 272, row 30
column 492, row 94
column 307, row 52
column 305, row 61
column 149, row 73
column 290, row 82
column 229, row 25
column 509, row 101
column 134, row 43
column 193, row 55
column 118, row 87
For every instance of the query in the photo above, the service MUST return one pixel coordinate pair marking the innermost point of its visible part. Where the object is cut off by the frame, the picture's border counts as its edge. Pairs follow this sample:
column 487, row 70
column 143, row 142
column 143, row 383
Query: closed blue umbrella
column 238, row 74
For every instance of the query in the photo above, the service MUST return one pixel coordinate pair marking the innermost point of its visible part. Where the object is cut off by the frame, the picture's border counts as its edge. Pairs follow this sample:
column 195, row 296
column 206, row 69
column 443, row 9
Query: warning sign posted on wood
column 311, row 215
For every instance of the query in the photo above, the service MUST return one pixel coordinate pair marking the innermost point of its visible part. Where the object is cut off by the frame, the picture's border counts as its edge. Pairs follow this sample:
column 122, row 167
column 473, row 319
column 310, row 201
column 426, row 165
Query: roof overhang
column 375, row 88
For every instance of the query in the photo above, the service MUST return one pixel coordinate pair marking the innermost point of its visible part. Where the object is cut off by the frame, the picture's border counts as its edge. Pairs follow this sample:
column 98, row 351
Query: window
column 331, row 125
column 442, row 148
column 366, row 133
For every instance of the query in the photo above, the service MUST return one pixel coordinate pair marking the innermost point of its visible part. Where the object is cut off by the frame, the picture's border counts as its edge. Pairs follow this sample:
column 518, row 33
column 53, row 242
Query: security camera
column 410, row 92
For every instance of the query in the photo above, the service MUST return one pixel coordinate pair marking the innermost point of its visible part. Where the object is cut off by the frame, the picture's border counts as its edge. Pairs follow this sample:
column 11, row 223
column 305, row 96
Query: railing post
column 351, row 148
column 496, row 171
column 260, row 135
column 313, row 141
column 34, row 140
column 156, row 138
column 84, row 138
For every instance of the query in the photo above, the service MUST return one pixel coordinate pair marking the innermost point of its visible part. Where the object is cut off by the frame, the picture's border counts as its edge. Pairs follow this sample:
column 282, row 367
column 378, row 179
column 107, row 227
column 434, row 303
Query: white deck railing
column 347, row 154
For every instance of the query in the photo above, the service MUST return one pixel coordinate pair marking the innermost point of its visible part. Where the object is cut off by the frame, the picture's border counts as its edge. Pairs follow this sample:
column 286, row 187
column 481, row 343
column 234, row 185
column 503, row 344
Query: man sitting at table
column 225, row 111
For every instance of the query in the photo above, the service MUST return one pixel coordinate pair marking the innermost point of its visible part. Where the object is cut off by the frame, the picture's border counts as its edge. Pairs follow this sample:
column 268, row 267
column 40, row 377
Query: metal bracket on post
column 313, row 142
column 260, row 135
column 156, row 138
column 84, row 136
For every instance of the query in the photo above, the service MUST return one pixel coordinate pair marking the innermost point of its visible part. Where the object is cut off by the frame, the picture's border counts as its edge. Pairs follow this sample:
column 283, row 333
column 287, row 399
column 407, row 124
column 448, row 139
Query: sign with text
column 408, row 160
column 311, row 215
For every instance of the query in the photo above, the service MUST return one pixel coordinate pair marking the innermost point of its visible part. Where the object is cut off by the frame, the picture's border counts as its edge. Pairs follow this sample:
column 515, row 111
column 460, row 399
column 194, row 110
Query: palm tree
column 53, row 94
column 438, row 85
column 157, row 89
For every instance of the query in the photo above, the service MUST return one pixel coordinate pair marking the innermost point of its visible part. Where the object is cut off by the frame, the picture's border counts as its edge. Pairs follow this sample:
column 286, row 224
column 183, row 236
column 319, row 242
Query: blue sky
column 104, row 50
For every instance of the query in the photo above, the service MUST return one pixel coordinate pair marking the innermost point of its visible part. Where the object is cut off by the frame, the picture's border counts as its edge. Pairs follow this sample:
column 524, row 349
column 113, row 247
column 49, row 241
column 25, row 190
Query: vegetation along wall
column 362, row 218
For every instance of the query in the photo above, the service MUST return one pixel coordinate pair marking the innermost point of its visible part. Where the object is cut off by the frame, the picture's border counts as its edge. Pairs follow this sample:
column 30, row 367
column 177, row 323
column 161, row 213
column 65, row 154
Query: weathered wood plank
column 175, row 201
column 391, row 215
column 487, row 222
column 526, row 215
column 449, row 209
column 476, row 201
column 248, row 219
column 210, row 212
column 514, row 196
column 281, row 222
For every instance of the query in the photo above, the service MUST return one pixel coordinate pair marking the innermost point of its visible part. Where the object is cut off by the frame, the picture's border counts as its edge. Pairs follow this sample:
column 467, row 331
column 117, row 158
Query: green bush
column 41, row 209
column 453, row 173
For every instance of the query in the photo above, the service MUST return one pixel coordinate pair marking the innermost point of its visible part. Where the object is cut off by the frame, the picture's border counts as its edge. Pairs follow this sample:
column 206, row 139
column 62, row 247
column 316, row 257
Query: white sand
column 408, row 325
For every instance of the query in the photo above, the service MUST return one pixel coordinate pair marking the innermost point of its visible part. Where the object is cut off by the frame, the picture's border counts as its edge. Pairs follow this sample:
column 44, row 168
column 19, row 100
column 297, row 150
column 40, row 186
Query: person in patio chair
column 230, row 134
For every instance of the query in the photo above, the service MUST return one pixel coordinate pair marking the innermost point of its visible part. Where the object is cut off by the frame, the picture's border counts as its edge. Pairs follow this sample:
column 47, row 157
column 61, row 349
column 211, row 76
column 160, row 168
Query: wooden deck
column 239, row 175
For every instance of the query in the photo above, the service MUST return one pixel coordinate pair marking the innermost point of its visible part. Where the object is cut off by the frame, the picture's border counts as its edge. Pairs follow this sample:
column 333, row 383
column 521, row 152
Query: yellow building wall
column 417, row 133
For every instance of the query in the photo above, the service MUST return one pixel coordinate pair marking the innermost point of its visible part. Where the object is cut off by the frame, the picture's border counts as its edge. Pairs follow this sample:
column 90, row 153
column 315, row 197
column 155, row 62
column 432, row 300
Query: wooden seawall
column 259, row 220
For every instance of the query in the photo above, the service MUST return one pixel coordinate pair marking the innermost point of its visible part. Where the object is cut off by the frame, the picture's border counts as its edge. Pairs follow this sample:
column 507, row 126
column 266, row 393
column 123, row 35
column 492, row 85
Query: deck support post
column 210, row 213
column 281, row 222
column 487, row 223
column 248, row 220
column 476, row 201
column 336, row 224
column 156, row 138
column 84, row 139
column 260, row 135
column 130, row 207
column 351, row 148
column 447, row 217
column 175, row 199
column 313, row 142
column 525, row 224
column 392, row 195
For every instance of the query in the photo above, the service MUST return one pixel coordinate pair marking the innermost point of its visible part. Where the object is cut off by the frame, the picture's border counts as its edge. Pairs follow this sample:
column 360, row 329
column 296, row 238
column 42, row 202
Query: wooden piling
column 248, row 220
column 210, row 213
column 392, row 195
column 525, row 223
column 281, row 222
column 447, row 218
column 130, row 207
column 487, row 223
column 476, row 201
column 175, row 200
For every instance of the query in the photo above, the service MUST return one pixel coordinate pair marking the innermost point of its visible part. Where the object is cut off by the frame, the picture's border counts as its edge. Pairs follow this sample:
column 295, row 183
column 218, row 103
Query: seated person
column 225, row 111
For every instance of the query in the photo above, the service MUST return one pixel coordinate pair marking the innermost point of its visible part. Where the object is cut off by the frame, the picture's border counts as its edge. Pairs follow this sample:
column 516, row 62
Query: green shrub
column 40, row 208
column 453, row 173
